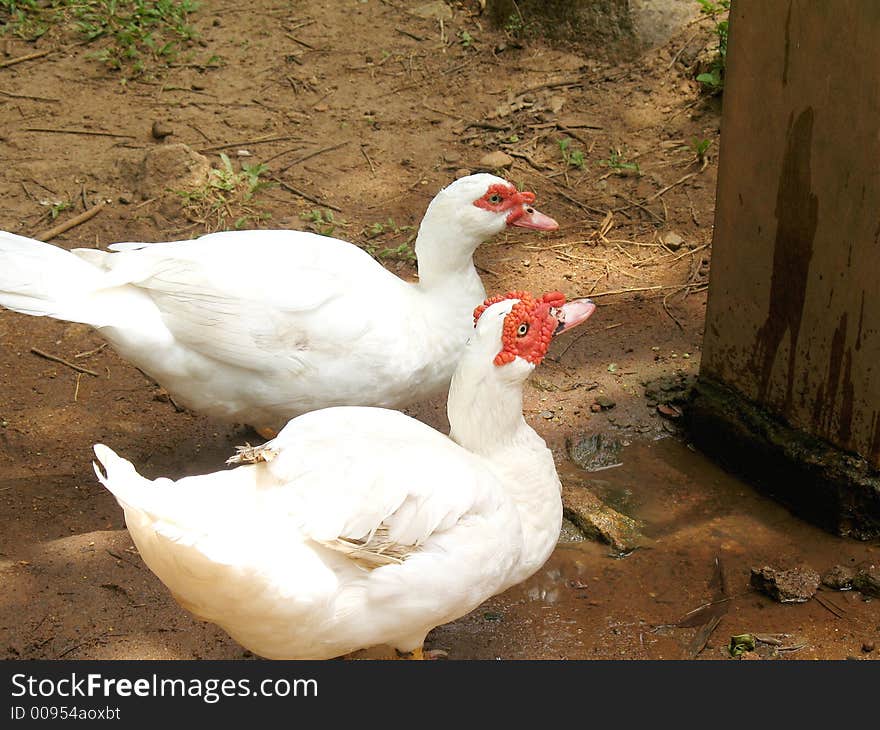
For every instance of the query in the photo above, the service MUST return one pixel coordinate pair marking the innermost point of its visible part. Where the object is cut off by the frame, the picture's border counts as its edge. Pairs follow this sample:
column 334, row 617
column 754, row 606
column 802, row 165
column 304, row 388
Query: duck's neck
column 445, row 253
column 485, row 416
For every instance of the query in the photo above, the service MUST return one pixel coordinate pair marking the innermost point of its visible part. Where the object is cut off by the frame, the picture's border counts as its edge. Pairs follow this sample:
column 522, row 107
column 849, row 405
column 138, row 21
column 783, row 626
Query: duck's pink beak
column 572, row 313
column 535, row 219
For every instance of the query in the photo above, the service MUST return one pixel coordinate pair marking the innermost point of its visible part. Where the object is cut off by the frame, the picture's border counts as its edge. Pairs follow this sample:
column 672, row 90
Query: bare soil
column 365, row 109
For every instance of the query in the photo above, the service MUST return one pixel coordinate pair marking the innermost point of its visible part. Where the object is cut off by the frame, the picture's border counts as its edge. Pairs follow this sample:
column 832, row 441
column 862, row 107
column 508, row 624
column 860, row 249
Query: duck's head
column 514, row 330
column 482, row 205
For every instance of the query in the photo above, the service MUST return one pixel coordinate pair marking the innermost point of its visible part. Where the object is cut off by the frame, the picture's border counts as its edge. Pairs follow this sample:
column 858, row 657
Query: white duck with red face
column 259, row 326
column 359, row 527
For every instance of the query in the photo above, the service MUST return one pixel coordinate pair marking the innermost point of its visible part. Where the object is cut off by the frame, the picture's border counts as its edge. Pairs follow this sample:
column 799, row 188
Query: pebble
column 161, row 130
column 547, row 414
column 496, row 160
column 786, row 586
column 672, row 240
column 867, row 580
column 839, row 577
column 604, row 402
column 868, row 647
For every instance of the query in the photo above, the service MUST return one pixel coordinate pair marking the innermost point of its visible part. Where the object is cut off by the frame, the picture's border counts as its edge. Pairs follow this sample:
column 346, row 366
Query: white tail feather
column 122, row 479
column 40, row 279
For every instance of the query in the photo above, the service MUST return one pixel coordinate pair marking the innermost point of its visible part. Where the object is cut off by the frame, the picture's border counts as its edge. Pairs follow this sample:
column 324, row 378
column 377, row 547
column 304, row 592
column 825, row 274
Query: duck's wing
column 372, row 483
column 258, row 298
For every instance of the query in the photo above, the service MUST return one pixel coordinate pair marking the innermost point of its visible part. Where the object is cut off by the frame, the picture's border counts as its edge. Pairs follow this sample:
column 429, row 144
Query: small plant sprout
column 321, row 221
column 56, row 207
column 617, row 163
column 700, row 148
column 402, row 252
column 572, row 157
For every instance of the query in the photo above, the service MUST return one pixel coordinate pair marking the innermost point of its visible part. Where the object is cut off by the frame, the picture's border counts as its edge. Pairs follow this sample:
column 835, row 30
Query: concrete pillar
column 789, row 387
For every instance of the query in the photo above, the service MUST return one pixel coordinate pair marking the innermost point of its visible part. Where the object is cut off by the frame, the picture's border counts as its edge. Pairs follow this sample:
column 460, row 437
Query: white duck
column 259, row 326
column 357, row 526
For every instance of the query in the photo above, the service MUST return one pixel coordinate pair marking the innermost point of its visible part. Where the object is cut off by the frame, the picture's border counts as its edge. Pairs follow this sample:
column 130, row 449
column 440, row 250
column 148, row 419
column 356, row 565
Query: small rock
column 161, row 130
column 839, row 578
column 597, row 520
column 868, row 647
column 547, row 415
column 171, row 167
column 556, row 103
column 437, row 9
column 604, row 402
column 570, row 533
column 672, row 240
column 595, row 408
column 867, row 580
column 596, row 451
column 786, row 586
column 496, row 160
column 670, row 389
column 670, row 411
column 462, row 172
column 451, row 158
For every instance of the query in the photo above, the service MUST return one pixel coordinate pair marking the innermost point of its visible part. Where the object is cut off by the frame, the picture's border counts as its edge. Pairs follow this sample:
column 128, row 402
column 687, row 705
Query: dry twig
column 55, row 358
column 305, row 196
column 28, row 57
column 71, row 223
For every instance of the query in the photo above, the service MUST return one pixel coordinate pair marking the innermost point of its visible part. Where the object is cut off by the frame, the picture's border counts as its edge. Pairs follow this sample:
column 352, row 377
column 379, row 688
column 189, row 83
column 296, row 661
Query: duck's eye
column 522, row 330
column 495, row 198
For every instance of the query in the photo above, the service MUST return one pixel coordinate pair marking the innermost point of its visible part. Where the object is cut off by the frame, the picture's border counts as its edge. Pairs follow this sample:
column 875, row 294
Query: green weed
column 618, row 164
column 227, row 198
column 402, row 252
column 572, row 157
column 135, row 35
column 713, row 79
column 322, row 222
column 24, row 18
column 700, row 147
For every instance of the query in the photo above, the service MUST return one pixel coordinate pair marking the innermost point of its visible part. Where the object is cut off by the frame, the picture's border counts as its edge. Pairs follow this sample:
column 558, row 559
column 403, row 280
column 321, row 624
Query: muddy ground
column 361, row 112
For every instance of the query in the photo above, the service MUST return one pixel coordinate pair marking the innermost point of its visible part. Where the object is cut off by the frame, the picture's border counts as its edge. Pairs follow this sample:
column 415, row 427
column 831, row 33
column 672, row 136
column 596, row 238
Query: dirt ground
column 361, row 112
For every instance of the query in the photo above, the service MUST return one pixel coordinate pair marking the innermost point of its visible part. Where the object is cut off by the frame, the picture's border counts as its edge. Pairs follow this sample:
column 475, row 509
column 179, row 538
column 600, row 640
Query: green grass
column 134, row 37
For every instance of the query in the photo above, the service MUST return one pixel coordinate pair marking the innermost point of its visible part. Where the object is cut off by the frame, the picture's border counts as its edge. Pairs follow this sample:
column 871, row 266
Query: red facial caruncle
column 500, row 197
column 528, row 328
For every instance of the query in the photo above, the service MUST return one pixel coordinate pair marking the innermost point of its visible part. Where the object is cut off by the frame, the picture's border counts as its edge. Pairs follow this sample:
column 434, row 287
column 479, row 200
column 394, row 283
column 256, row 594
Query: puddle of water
column 586, row 604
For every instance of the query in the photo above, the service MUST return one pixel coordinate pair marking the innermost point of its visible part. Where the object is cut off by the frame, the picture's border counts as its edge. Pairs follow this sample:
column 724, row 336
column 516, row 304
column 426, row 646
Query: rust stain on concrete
column 797, row 215
column 826, row 395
